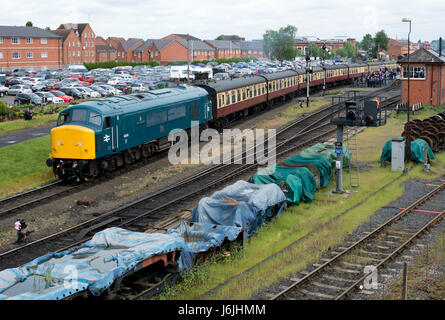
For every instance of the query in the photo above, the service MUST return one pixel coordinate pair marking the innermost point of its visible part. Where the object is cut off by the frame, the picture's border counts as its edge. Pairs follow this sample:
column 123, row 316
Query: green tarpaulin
column 300, row 182
column 322, row 163
column 328, row 151
column 417, row 151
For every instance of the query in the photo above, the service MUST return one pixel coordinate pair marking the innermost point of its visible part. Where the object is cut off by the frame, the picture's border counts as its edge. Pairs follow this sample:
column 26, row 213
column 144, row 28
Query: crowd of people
column 380, row 78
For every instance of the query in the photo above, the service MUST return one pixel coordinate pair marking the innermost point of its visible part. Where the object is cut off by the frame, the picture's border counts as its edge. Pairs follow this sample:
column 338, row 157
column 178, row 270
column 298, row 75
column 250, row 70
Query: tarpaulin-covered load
column 241, row 204
column 328, row 151
column 417, row 151
column 300, row 182
column 200, row 237
column 322, row 164
column 93, row 266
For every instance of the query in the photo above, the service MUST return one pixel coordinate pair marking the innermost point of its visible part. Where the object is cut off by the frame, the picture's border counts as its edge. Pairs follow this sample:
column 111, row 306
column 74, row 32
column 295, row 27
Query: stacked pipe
column 432, row 130
column 404, row 107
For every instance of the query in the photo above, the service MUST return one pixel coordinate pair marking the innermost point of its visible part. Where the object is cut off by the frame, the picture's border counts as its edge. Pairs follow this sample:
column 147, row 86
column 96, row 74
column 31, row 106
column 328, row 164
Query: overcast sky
column 206, row 19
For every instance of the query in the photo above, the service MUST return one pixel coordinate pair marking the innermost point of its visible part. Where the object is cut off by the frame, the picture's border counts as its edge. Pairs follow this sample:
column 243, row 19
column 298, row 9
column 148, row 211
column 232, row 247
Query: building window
column 1, row 39
column 1, row 55
column 28, row 40
column 78, row 53
column 156, row 53
column 414, row 72
column 78, row 44
column 29, row 55
column 74, row 44
column 16, row 55
column 44, row 54
column 118, row 54
column 92, row 54
column 43, row 40
column 15, row 40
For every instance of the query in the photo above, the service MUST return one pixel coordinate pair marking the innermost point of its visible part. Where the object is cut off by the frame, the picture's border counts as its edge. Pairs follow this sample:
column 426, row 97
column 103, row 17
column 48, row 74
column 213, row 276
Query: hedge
column 112, row 64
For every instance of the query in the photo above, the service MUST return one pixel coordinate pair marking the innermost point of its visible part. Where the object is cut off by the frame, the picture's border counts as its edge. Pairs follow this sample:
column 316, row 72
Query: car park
column 19, row 88
column 27, row 98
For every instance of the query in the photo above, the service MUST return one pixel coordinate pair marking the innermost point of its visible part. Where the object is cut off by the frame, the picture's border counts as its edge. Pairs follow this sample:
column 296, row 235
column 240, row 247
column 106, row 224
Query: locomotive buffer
column 354, row 113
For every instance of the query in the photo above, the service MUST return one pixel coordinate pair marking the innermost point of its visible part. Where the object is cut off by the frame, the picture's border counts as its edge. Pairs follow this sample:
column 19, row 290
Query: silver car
column 19, row 88
column 49, row 97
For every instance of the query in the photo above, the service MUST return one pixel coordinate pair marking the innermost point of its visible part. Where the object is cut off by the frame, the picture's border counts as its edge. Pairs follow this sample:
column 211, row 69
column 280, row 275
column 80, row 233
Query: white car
column 91, row 92
column 19, row 88
column 114, row 80
column 3, row 90
column 49, row 97
column 111, row 89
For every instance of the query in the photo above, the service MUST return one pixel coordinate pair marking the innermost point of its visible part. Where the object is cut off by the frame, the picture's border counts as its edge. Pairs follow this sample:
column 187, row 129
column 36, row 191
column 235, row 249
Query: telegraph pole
column 308, row 58
column 188, row 59
column 408, row 139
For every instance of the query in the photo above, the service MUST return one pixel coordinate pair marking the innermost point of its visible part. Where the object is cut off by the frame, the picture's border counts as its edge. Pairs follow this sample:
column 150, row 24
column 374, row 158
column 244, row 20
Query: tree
column 313, row 50
column 341, row 52
column 29, row 24
column 381, row 40
column 221, row 37
column 350, row 49
column 280, row 44
column 366, row 42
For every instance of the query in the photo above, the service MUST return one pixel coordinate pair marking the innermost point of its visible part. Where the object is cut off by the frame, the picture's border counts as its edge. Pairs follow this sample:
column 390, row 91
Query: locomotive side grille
column 99, row 143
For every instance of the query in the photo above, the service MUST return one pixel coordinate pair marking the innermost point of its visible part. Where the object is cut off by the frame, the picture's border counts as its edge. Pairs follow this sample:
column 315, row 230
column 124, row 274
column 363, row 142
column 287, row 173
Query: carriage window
column 244, row 95
column 177, row 112
column 95, row 119
column 233, row 98
column 155, row 118
column 80, row 115
column 227, row 100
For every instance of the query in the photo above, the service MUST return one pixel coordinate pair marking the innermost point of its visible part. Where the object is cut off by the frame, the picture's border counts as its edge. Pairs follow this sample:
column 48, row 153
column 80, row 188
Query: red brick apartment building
column 104, row 51
column 397, row 48
column 225, row 48
column 333, row 45
column 78, row 43
column 125, row 49
column 29, row 48
column 427, row 77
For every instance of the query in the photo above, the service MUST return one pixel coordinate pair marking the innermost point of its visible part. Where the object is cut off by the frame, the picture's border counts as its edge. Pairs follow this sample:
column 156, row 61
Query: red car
column 88, row 79
column 60, row 94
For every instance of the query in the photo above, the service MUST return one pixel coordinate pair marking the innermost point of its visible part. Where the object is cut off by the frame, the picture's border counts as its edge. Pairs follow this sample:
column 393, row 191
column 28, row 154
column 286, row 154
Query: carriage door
column 111, row 133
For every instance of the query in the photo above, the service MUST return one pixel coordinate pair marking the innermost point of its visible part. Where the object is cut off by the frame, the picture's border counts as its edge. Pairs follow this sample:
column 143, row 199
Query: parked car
column 19, row 88
column 137, row 87
column 73, row 92
column 3, row 90
column 88, row 92
column 100, row 90
column 221, row 76
column 112, row 90
column 62, row 95
column 26, row 98
column 49, row 97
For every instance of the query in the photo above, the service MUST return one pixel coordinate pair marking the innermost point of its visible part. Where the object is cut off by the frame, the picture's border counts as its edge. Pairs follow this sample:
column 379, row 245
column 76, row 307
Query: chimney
column 440, row 46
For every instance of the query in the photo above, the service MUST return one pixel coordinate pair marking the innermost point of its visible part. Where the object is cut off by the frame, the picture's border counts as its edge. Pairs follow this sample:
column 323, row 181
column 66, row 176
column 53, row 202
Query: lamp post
column 308, row 69
column 408, row 139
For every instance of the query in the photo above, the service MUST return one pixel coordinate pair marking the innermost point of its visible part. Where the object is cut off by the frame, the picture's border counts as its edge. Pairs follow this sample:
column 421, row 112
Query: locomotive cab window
column 107, row 123
column 79, row 115
column 64, row 118
column 95, row 119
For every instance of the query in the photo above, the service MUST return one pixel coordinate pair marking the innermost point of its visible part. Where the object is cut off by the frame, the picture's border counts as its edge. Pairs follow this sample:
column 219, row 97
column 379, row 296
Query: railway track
column 354, row 266
column 58, row 188
column 145, row 212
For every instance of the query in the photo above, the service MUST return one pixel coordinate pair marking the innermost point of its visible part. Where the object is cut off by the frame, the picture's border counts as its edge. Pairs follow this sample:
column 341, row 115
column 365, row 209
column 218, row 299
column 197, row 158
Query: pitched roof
column 145, row 45
column 224, row 44
column 184, row 36
column 127, row 45
column 104, row 48
column 26, row 32
column 75, row 26
column 423, row 55
column 62, row 32
column 196, row 45
column 252, row 45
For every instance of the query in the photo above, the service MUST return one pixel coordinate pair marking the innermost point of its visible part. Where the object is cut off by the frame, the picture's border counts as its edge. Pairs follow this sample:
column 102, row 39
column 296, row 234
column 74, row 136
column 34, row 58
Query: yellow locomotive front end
column 72, row 142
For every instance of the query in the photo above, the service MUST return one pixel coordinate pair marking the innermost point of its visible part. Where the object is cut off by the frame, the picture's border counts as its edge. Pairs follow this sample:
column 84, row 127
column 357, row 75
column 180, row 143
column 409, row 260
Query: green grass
column 298, row 221
column 22, row 166
column 15, row 125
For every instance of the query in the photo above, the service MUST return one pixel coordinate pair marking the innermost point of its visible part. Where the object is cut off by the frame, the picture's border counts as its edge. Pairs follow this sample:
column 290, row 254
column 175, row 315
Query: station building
column 29, row 48
column 427, row 77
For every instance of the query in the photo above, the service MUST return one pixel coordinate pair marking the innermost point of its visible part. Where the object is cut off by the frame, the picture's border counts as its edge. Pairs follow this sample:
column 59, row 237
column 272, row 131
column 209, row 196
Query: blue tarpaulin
column 92, row 266
column 242, row 204
column 200, row 237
